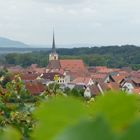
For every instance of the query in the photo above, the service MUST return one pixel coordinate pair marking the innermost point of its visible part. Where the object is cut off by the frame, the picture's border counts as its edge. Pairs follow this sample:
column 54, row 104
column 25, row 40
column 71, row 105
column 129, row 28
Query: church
column 75, row 67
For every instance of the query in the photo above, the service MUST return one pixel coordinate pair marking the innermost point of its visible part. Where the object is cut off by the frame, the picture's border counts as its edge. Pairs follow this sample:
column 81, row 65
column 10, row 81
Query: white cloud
column 91, row 21
column 61, row 1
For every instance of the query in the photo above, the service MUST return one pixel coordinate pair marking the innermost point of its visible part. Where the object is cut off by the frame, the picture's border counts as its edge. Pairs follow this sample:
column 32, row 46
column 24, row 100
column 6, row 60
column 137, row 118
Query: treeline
column 111, row 56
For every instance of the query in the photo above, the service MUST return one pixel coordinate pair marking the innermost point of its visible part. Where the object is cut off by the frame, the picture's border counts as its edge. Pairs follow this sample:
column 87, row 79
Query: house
column 98, row 76
column 86, row 81
column 99, row 88
column 103, row 69
column 33, row 69
column 136, row 82
column 15, row 69
column 110, row 82
column 75, row 67
column 136, row 91
column 91, row 91
column 131, row 85
column 25, row 77
column 113, row 86
column 118, row 78
column 135, row 74
column 91, row 69
column 72, row 65
column 35, row 88
column 108, row 79
column 95, row 90
column 53, row 66
column 52, row 77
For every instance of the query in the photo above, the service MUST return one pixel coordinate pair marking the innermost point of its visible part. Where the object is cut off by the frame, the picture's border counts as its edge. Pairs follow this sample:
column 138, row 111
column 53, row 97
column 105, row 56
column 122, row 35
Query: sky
column 98, row 22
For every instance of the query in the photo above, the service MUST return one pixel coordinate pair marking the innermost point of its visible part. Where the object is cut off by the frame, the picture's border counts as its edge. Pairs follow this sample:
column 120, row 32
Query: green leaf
column 56, row 114
column 88, row 130
column 10, row 134
column 118, row 109
column 133, row 132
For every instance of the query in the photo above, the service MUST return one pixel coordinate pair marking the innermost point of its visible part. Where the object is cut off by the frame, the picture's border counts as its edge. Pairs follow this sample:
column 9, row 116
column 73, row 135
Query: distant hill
column 7, row 43
column 111, row 56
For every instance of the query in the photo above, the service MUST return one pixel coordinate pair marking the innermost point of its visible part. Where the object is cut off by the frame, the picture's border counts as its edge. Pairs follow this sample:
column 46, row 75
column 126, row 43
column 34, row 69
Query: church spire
column 53, row 55
column 53, row 44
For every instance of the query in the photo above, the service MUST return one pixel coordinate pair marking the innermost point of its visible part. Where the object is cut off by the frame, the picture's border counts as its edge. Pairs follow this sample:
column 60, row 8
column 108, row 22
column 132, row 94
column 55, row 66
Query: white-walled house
column 128, row 87
column 93, row 90
column 51, row 77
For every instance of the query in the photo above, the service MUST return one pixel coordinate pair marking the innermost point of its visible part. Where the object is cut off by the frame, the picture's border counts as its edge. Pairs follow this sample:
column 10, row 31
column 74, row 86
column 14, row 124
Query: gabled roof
column 34, row 88
column 113, row 86
column 81, row 80
column 54, row 64
column 98, row 77
column 136, row 80
column 136, row 90
column 104, row 86
column 72, row 65
column 135, row 74
column 28, row 77
column 103, row 69
column 16, row 69
column 94, row 89
column 118, row 78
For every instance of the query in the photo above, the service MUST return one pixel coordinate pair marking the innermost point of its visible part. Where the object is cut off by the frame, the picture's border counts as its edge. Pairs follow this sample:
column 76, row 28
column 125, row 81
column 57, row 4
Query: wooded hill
column 111, row 56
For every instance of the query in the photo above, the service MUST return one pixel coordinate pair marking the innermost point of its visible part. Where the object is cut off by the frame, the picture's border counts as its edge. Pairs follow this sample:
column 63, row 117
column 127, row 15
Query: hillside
column 7, row 43
column 111, row 56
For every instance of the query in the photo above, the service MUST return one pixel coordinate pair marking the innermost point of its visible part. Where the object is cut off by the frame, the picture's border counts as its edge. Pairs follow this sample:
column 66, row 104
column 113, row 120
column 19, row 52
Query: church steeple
column 53, row 44
column 53, row 55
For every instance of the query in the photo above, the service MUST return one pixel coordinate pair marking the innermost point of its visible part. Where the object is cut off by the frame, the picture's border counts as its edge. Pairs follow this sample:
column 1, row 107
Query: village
column 72, row 73
column 69, row 70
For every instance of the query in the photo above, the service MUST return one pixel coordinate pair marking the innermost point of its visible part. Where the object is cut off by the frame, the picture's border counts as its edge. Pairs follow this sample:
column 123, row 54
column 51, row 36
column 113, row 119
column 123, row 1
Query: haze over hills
column 74, row 45
column 8, row 43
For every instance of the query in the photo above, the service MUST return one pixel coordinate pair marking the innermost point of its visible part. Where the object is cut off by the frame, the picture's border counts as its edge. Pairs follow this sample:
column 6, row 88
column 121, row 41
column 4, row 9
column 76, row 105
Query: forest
column 111, row 56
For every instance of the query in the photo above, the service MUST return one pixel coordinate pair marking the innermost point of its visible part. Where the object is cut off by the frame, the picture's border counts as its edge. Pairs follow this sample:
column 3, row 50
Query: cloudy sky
column 99, row 22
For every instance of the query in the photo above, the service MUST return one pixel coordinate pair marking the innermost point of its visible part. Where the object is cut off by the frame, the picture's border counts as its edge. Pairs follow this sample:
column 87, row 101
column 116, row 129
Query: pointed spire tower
column 53, row 55
column 53, row 44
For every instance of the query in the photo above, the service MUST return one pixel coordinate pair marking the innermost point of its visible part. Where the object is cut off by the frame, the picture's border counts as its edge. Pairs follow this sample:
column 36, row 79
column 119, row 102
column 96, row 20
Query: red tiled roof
column 100, row 67
column 84, row 80
column 98, row 76
column 54, row 64
column 34, row 88
column 72, row 65
column 39, row 70
column 94, row 90
column 104, row 69
column 136, row 90
column 76, row 67
column 136, row 80
column 113, row 86
column 124, row 73
column 118, row 78
column 28, row 77
column 16, row 69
